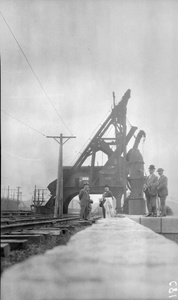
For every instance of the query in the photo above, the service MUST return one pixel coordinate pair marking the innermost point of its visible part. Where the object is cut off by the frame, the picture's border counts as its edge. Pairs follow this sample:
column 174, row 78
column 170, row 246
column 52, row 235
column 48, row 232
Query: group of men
column 156, row 191
column 86, row 202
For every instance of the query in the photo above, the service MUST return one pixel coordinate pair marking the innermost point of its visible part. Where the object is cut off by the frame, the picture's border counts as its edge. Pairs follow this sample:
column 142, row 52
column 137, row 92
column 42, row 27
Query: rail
column 22, row 225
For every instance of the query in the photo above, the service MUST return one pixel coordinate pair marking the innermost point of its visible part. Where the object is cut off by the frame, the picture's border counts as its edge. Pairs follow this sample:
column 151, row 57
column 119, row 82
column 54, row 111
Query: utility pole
column 3, row 195
column 8, row 192
column 35, row 196
column 58, row 211
column 38, row 202
column 18, row 196
column 42, row 196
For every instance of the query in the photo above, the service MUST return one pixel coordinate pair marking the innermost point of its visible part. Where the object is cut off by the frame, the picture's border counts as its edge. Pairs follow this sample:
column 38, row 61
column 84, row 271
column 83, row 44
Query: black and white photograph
column 89, row 149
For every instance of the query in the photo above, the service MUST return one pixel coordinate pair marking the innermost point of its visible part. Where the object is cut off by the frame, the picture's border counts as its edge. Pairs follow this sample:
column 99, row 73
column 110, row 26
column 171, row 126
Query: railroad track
column 9, row 213
column 35, row 223
column 18, row 233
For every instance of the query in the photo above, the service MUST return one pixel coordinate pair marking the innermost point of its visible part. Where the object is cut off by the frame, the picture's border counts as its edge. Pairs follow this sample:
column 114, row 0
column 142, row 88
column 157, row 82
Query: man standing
column 107, row 193
column 162, row 190
column 151, row 192
column 84, row 200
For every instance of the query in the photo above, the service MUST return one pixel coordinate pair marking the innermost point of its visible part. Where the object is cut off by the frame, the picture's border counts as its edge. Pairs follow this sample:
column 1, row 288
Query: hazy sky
column 82, row 51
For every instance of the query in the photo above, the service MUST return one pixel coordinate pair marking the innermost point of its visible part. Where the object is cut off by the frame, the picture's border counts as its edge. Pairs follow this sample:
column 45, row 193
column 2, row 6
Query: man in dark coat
column 84, row 200
column 162, row 190
column 151, row 192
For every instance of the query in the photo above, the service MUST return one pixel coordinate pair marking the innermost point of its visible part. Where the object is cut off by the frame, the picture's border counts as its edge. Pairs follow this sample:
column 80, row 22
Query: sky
column 60, row 63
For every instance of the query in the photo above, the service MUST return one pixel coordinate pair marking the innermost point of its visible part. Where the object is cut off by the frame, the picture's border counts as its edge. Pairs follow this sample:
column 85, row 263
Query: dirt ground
column 18, row 256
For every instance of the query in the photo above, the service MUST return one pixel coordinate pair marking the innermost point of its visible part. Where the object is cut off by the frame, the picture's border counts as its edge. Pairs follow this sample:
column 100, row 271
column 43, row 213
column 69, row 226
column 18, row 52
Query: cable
column 23, row 123
column 35, row 74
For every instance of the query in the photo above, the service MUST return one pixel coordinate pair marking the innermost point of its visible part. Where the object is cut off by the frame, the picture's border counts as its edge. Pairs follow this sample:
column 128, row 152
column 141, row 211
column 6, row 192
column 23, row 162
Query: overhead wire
column 34, row 73
column 23, row 123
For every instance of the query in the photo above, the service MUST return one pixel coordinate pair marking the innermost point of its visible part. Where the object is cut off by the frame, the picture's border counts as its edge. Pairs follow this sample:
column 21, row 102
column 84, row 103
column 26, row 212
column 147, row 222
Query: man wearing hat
column 150, row 189
column 84, row 200
column 162, row 190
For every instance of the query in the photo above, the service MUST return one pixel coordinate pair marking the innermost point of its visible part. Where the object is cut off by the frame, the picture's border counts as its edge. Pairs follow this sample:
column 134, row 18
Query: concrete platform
column 167, row 224
column 113, row 259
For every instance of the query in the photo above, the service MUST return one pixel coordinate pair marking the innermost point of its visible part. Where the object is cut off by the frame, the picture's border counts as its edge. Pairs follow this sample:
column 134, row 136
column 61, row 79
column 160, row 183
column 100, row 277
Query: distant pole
column 42, row 195
column 38, row 197
column 8, row 192
column 18, row 196
column 58, row 210
column 35, row 196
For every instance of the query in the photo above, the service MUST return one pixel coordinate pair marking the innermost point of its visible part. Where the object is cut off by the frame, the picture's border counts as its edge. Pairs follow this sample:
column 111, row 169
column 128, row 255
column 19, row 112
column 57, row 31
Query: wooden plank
column 5, row 249
column 27, row 232
column 4, row 221
column 56, row 230
column 59, row 226
column 15, row 244
column 44, row 232
column 82, row 222
column 31, row 232
column 31, row 238
column 7, row 221
column 49, row 229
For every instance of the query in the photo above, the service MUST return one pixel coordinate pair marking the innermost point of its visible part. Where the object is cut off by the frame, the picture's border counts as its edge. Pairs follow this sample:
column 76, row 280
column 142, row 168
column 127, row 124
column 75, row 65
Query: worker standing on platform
column 162, row 190
column 107, row 193
column 84, row 200
column 150, row 189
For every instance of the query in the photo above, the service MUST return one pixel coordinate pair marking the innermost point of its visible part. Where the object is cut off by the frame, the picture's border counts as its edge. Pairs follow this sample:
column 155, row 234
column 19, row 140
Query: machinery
column 121, row 169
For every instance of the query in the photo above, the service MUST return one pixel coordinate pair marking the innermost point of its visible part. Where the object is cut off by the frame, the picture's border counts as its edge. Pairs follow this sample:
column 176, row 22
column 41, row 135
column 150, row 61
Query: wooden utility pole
column 8, row 189
column 42, row 196
column 18, row 196
column 34, row 201
column 38, row 202
column 58, row 211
